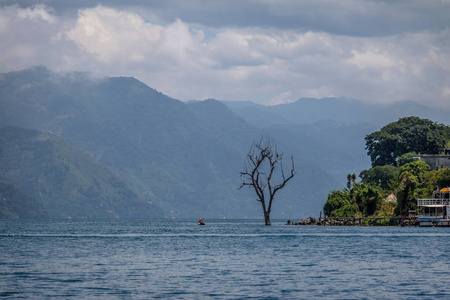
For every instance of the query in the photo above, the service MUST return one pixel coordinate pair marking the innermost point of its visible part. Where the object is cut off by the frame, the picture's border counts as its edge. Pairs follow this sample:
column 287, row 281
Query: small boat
column 201, row 222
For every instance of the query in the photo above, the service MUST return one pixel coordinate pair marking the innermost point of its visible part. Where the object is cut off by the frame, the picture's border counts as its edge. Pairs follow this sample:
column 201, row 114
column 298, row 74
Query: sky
column 265, row 51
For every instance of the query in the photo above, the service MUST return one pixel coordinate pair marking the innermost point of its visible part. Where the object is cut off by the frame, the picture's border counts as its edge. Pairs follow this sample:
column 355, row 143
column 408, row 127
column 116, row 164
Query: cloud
column 373, row 59
column 27, row 36
column 38, row 11
column 190, row 58
column 350, row 17
column 112, row 36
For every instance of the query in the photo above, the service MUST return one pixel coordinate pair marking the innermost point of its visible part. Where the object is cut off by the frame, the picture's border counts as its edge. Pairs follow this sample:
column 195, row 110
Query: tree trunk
column 267, row 218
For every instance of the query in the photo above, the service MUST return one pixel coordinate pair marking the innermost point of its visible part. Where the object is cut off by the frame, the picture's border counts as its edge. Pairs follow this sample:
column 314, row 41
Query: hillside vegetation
column 42, row 176
column 14, row 204
column 183, row 158
column 394, row 175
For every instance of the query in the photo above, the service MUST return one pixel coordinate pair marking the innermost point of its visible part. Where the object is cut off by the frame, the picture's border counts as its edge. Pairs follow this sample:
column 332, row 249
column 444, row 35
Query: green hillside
column 43, row 176
column 185, row 158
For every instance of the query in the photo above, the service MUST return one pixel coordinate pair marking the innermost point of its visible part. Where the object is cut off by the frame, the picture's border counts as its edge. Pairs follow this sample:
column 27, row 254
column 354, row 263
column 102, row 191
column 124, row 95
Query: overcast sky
column 266, row 51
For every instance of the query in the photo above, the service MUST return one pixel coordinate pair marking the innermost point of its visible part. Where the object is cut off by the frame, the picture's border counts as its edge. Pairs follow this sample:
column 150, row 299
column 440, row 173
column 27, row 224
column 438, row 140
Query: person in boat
column 201, row 222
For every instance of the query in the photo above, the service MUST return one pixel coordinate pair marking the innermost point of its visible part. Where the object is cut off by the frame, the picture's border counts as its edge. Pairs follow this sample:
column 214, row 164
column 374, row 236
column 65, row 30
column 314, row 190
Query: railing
column 433, row 202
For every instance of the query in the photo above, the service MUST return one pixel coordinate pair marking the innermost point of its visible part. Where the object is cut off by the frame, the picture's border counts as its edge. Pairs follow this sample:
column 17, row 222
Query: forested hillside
column 42, row 176
column 184, row 158
column 14, row 204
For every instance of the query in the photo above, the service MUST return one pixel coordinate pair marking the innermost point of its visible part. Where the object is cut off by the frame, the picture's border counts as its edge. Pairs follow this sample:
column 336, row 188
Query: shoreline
column 412, row 221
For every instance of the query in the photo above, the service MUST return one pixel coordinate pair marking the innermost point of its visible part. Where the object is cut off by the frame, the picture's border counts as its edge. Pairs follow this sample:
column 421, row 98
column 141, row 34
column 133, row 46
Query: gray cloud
column 267, row 51
column 353, row 17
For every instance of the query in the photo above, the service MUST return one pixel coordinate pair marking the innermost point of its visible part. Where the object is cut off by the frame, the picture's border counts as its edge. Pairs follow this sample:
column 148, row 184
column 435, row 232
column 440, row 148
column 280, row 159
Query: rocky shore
column 359, row 221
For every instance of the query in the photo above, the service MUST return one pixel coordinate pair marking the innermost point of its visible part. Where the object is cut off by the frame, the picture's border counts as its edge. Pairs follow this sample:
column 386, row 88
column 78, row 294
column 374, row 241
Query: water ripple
column 142, row 259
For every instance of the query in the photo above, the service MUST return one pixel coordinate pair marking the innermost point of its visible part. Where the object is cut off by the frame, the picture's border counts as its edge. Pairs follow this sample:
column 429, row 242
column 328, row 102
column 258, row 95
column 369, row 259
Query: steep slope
column 185, row 158
column 59, row 180
column 16, row 205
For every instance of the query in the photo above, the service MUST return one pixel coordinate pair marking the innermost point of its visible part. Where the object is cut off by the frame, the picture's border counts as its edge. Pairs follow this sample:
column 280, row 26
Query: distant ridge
column 345, row 110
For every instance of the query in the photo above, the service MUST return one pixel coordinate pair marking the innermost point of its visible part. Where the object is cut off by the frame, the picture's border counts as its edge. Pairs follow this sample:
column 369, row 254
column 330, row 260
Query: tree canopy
column 394, row 171
column 379, row 175
column 410, row 134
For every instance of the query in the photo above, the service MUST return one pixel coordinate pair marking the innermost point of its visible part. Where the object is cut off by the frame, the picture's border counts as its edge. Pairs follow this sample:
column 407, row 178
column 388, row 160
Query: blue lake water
column 226, row 259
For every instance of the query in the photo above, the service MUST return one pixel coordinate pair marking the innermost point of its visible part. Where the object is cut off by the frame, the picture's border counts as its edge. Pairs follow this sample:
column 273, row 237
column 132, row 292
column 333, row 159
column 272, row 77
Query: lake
column 226, row 259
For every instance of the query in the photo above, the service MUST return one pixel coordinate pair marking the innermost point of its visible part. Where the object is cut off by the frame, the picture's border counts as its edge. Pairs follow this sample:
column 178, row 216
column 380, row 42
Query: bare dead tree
column 259, row 173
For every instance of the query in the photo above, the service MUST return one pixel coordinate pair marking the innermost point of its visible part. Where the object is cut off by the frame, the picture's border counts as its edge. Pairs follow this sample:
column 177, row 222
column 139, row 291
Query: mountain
column 341, row 110
column 331, row 131
column 185, row 158
column 42, row 176
column 303, row 196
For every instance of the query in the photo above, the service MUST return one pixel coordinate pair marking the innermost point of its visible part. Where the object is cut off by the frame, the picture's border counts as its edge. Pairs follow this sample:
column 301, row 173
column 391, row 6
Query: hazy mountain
column 185, row 158
column 42, row 176
column 303, row 196
column 341, row 110
column 331, row 131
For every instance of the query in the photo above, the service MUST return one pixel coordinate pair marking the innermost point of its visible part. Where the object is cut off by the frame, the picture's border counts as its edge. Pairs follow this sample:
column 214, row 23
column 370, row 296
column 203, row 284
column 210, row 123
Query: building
column 435, row 161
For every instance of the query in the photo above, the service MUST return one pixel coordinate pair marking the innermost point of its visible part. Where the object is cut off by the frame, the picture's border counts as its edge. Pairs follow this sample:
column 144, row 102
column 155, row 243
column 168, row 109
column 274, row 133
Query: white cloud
column 26, row 36
column 113, row 36
column 265, row 65
column 282, row 98
column 373, row 59
column 38, row 11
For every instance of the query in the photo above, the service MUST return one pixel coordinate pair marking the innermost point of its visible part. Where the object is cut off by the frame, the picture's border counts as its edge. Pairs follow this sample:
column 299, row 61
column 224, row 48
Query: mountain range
column 331, row 131
column 160, row 157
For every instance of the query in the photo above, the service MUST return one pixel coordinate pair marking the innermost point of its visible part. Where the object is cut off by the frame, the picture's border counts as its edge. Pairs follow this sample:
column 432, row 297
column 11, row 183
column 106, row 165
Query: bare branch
column 262, row 161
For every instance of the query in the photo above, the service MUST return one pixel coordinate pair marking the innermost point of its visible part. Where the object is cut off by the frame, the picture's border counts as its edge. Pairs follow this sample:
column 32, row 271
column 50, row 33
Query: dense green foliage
column 360, row 199
column 394, row 171
column 440, row 177
column 379, row 175
column 410, row 134
column 336, row 200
